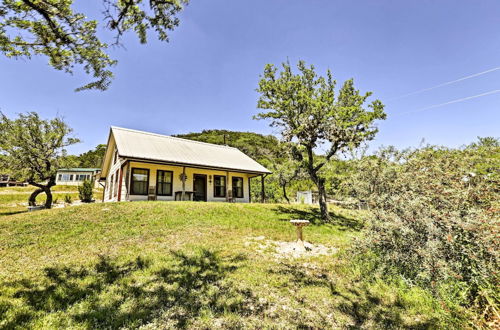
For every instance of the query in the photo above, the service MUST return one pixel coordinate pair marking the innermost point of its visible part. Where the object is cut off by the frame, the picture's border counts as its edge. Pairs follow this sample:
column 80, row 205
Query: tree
column 33, row 149
column 92, row 158
column 285, row 173
column 86, row 191
column 285, row 169
column 68, row 38
column 307, row 111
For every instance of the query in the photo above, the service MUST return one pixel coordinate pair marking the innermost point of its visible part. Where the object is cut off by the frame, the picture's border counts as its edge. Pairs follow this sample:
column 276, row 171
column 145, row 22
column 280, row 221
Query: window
column 140, row 181
column 219, row 186
column 71, row 177
column 237, row 187
column 164, row 183
column 59, row 177
column 82, row 177
column 64, row 177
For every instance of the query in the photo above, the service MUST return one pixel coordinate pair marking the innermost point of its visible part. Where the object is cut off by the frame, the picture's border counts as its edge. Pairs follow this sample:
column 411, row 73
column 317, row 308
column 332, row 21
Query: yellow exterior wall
column 177, row 183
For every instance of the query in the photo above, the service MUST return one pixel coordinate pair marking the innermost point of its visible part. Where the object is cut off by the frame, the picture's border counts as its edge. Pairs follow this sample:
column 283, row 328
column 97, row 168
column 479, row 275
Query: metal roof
column 78, row 169
column 149, row 146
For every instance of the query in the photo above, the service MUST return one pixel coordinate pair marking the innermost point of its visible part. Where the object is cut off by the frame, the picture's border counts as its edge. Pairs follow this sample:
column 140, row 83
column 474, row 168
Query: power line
column 450, row 102
column 445, row 84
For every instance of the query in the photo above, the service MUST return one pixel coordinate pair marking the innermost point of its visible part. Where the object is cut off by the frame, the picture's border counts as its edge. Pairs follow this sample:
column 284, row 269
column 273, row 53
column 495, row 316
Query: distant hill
column 262, row 148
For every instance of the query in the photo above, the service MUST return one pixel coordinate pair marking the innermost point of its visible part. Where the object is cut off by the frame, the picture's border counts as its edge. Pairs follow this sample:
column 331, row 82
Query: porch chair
column 230, row 197
column 151, row 194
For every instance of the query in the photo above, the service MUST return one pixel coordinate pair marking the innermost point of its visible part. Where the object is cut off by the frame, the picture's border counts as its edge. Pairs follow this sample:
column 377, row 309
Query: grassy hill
column 198, row 265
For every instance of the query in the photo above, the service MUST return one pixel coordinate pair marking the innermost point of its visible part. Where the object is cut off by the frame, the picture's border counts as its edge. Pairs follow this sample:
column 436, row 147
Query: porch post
column 120, row 184
column 183, row 183
column 104, row 191
column 227, row 186
column 249, row 190
column 262, row 192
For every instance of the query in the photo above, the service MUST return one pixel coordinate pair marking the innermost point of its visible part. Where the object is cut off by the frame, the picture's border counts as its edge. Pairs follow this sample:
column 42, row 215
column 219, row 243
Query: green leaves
column 67, row 38
column 435, row 216
column 306, row 109
column 32, row 147
column 86, row 191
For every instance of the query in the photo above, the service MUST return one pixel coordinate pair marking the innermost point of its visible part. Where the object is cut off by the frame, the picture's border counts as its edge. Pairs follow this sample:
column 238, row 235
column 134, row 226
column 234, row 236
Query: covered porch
column 162, row 181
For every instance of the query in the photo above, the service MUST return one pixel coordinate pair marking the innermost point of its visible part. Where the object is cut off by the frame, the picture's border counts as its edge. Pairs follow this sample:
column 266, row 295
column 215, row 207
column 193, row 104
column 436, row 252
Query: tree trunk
column 319, row 182
column 42, row 189
column 322, row 200
column 48, row 201
column 32, row 198
column 284, row 194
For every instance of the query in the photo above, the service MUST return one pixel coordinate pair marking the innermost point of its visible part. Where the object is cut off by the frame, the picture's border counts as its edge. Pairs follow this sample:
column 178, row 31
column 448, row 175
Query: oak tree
column 33, row 149
column 54, row 28
column 308, row 111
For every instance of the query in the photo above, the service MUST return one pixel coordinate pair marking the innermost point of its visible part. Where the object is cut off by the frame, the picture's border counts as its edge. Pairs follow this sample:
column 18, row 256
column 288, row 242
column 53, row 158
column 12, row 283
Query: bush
column 85, row 191
column 435, row 219
column 67, row 199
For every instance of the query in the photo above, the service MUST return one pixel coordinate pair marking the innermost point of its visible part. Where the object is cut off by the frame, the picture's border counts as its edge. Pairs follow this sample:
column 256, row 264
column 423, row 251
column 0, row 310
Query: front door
column 200, row 187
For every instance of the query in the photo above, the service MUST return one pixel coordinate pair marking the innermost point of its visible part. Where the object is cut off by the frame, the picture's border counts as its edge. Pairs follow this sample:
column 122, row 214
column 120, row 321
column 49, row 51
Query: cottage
column 7, row 181
column 76, row 176
column 146, row 166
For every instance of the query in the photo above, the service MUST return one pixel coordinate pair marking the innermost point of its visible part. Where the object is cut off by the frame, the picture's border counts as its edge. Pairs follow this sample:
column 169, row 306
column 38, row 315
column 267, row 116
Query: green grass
column 14, row 200
column 186, row 264
column 29, row 189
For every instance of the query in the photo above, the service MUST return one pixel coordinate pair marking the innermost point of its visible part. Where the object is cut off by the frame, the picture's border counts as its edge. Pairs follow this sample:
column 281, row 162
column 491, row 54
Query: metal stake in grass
column 299, row 224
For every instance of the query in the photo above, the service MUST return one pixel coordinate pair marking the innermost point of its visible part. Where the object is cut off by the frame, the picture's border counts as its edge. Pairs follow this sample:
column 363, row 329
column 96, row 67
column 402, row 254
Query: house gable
column 107, row 161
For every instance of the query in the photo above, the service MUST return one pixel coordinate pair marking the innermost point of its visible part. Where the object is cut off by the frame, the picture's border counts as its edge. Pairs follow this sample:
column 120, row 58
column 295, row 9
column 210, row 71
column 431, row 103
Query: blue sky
column 206, row 76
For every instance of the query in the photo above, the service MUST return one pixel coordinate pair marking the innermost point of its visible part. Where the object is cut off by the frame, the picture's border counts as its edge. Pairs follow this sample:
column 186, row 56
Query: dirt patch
column 281, row 249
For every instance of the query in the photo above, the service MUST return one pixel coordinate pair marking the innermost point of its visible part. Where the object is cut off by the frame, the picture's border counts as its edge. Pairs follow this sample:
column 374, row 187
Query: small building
column 8, row 181
column 76, row 176
column 146, row 166
column 307, row 197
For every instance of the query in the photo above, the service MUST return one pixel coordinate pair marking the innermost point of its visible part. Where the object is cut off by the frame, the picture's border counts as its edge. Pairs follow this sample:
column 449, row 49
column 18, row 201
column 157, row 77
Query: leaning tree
column 309, row 112
column 68, row 37
column 285, row 169
column 33, row 149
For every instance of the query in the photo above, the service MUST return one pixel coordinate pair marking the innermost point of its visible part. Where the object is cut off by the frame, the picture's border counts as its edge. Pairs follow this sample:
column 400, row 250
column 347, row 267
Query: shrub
column 435, row 219
column 85, row 191
column 67, row 199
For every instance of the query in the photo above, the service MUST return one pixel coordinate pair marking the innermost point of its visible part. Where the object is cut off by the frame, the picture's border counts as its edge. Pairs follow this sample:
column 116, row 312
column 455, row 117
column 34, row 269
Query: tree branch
column 53, row 26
